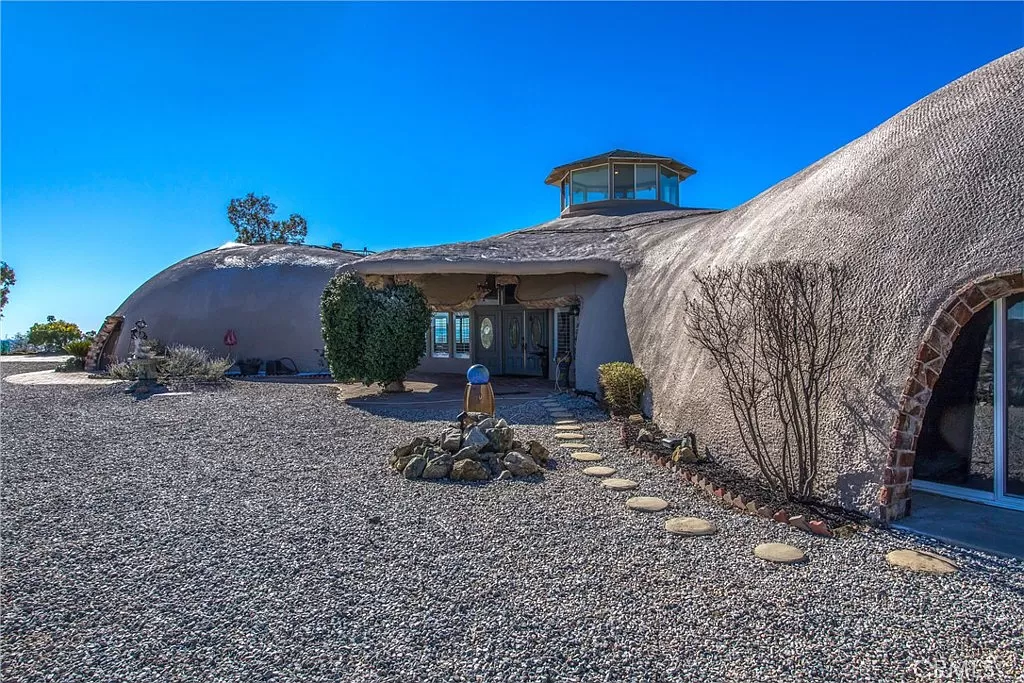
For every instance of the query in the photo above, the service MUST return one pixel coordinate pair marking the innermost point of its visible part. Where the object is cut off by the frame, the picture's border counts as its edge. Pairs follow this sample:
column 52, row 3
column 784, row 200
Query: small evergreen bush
column 373, row 336
column 623, row 387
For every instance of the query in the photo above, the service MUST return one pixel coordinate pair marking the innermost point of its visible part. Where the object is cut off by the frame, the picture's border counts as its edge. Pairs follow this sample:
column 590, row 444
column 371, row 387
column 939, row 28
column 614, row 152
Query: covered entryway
column 512, row 340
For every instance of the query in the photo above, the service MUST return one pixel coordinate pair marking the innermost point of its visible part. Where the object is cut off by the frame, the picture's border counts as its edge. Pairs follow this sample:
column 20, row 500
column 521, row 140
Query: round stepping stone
column 569, row 436
column 575, row 444
column 587, row 456
column 599, row 471
column 690, row 526
column 782, row 553
column 566, row 421
column 920, row 561
column 646, row 504
column 619, row 484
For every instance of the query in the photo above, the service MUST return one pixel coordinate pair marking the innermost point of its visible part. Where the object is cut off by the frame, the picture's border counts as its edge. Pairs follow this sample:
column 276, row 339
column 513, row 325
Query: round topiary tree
column 374, row 336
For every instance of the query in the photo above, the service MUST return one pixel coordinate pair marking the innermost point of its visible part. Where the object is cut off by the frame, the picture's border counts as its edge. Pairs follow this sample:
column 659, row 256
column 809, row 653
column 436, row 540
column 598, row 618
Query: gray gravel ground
column 226, row 536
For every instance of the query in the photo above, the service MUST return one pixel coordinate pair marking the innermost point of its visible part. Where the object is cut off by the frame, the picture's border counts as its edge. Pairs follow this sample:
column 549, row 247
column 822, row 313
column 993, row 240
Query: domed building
column 926, row 213
column 264, row 298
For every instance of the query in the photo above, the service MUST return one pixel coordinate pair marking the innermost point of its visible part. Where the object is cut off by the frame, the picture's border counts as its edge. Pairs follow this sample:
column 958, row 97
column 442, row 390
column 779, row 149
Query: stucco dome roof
column 268, row 294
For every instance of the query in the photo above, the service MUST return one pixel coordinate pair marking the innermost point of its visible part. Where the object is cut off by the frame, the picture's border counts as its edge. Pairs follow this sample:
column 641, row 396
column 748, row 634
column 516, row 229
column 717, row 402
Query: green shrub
column 53, row 334
column 373, row 336
column 623, row 386
column 79, row 348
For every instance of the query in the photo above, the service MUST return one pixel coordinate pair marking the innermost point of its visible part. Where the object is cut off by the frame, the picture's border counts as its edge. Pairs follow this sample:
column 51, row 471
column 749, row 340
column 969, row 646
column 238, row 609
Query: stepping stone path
column 565, row 422
column 646, row 504
column 690, row 526
column 781, row 553
column 575, row 444
column 920, row 561
column 619, row 484
column 587, row 456
column 571, row 427
column 599, row 471
column 569, row 436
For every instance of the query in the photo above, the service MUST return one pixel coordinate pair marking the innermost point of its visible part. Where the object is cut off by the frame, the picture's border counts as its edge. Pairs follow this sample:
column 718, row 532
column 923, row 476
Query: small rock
column 475, row 439
column 520, row 465
column 439, row 467
column 465, row 453
column 505, row 476
column 752, row 507
column 644, row 436
column 485, row 424
column 538, row 452
column 636, row 418
column 781, row 516
column 765, row 512
column 819, row 527
column 414, row 469
column 469, row 470
column 373, row 519
column 450, row 440
column 400, row 464
column 684, row 454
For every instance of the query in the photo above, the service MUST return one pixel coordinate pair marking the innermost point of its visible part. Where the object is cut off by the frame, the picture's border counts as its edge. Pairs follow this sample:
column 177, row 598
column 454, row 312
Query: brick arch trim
column 932, row 351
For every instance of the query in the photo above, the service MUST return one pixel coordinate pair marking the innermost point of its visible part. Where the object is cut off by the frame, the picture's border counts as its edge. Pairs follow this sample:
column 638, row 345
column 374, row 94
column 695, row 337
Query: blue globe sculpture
column 478, row 374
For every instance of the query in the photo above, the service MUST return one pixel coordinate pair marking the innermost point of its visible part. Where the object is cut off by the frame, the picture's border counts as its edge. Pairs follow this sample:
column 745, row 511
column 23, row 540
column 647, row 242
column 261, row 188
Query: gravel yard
column 229, row 536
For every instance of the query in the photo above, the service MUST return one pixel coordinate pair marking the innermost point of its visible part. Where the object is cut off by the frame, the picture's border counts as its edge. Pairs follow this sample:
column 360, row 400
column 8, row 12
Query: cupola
column 619, row 181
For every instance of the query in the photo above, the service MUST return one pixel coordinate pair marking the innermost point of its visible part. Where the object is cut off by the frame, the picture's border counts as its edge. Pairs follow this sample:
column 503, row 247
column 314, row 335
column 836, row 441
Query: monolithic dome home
column 265, row 298
column 926, row 211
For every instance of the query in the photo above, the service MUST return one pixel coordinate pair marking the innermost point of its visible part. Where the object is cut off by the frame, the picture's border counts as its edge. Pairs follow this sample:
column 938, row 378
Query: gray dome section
column 930, row 200
column 268, row 294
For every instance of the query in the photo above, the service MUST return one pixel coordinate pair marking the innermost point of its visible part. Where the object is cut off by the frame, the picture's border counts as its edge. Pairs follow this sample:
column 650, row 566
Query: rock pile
column 485, row 449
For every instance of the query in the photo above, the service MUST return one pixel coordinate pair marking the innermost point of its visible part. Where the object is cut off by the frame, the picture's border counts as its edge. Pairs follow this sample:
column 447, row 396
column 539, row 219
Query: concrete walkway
column 973, row 525
column 51, row 377
column 7, row 358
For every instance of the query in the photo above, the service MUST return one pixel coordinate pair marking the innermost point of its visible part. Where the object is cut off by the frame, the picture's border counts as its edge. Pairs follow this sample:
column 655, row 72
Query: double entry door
column 512, row 340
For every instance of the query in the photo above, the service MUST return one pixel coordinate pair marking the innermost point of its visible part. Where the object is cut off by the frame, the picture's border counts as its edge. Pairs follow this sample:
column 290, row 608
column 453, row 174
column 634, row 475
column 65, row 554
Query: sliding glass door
column 971, row 444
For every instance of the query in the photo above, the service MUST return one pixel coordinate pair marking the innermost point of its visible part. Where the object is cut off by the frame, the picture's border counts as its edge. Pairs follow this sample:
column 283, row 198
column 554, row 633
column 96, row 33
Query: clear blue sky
column 126, row 128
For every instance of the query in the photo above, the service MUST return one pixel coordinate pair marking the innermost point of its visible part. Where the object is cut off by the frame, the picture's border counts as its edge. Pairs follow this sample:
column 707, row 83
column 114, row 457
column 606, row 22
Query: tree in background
column 53, row 334
column 251, row 217
column 6, row 280
column 372, row 336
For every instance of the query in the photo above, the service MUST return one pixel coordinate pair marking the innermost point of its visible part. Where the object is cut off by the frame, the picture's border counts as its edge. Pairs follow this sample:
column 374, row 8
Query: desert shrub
column 623, row 386
column 776, row 332
column 78, row 348
column 192, row 363
column 126, row 370
column 374, row 336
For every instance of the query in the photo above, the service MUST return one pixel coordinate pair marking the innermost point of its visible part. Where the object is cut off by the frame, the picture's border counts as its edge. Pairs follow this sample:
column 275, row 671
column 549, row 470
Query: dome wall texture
column 929, row 201
column 269, row 295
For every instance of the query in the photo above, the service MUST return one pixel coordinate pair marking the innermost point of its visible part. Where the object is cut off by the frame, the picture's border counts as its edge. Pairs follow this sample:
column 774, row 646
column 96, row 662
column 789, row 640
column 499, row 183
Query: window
column 566, row 192
column 462, row 335
column 646, row 181
column 439, row 347
column 669, row 186
column 590, row 184
column 624, row 181
column 486, row 333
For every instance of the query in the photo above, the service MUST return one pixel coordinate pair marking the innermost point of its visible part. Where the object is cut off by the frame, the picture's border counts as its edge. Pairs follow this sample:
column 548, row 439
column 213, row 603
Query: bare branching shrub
column 776, row 332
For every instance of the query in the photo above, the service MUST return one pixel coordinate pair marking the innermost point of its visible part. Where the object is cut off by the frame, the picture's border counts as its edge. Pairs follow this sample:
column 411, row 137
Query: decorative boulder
column 466, row 453
column 475, row 439
column 399, row 463
column 520, row 465
column 414, row 469
column 469, row 470
column 450, row 440
column 439, row 467
column 538, row 452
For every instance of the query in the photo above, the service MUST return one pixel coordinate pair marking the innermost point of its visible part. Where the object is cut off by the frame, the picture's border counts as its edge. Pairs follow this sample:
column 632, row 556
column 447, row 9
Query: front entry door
column 487, row 329
column 537, row 344
column 513, row 339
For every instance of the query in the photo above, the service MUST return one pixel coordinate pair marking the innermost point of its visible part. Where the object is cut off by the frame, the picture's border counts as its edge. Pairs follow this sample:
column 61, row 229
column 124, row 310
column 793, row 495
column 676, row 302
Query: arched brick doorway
column 932, row 352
